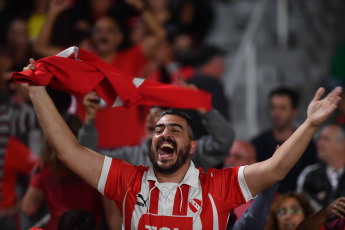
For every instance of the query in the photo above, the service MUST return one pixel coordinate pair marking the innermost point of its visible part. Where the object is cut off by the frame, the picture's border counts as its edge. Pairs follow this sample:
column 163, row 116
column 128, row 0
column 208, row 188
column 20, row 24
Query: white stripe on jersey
column 245, row 190
column 215, row 213
column 124, row 211
column 104, row 174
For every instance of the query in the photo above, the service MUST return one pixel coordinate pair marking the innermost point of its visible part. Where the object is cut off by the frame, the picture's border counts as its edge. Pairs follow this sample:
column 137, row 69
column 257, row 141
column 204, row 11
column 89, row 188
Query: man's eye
column 176, row 130
column 158, row 131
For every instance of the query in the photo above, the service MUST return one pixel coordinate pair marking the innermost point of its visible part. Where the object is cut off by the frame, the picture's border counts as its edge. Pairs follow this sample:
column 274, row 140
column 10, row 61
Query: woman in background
column 288, row 211
column 61, row 189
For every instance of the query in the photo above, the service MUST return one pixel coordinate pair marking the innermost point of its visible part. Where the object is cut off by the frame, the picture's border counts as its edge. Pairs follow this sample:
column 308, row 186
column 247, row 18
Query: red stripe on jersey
column 154, row 198
column 177, row 200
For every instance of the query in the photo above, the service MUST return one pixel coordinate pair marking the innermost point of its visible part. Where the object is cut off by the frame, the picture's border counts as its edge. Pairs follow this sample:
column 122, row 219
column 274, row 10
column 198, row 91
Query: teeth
column 167, row 146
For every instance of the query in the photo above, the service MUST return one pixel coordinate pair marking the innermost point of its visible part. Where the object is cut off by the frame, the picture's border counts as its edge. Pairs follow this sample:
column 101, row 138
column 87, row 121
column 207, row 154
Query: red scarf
column 76, row 71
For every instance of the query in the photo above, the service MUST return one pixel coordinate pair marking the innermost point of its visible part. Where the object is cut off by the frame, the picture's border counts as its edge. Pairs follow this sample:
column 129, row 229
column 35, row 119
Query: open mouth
column 166, row 150
column 103, row 40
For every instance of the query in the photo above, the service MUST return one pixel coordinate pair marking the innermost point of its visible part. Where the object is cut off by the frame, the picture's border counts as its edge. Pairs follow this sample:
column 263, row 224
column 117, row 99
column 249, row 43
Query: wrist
column 311, row 124
column 36, row 90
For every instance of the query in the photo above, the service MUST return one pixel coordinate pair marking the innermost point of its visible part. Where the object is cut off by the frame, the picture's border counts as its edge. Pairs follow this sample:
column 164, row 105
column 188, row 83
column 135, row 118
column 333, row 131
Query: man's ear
column 192, row 147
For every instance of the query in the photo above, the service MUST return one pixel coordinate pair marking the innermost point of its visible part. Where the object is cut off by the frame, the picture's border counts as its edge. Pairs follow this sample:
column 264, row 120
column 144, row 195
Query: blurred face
column 239, row 155
column 151, row 120
column 106, row 35
column 328, row 143
column 138, row 32
column 17, row 34
column 214, row 67
column 289, row 214
column 282, row 111
column 164, row 53
column 171, row 146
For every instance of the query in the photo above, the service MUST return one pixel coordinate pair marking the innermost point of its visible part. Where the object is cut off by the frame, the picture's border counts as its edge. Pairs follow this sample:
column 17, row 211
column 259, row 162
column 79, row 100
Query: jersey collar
column 191, row 178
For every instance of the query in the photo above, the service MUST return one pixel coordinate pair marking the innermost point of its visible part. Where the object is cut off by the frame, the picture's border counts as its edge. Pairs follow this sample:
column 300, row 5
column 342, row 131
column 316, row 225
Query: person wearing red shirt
column 172, row 193
column 105, row 40
column 60, row 188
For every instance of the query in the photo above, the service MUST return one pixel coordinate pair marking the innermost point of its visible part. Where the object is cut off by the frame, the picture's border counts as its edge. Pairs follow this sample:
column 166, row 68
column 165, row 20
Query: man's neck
column 283, row 134
column 175, row 177
column 337, row 163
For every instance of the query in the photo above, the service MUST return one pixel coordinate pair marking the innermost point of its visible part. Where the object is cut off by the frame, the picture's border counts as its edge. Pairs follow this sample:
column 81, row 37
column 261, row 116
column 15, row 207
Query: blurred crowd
column 157, row 40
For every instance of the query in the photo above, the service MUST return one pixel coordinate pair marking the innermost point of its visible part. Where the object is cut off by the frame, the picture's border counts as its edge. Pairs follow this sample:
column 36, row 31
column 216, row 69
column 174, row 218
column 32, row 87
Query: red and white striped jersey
column 199, row 201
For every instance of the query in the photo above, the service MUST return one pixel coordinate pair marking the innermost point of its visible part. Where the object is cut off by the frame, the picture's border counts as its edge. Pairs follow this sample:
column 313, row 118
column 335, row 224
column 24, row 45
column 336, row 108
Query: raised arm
column 214, row 147
column 82, row 161
column 314, row 222
column 42, row 45
column 264, row 174
column 150, row 43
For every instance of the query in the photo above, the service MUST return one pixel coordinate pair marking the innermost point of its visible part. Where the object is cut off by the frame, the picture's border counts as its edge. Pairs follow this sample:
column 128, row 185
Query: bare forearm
column 261, row 175
column 84, row 162
column 291, row 151
column 55, row 129
column 154, row 26
column 314, row 222
column 42, row 45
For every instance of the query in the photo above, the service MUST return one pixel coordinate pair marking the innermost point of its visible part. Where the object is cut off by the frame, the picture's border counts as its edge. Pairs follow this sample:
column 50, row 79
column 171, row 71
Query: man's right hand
column 26, row 86
column 91, row 103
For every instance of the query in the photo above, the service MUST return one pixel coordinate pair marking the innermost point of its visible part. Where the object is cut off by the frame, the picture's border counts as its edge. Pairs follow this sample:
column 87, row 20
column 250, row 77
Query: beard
column 182, row 157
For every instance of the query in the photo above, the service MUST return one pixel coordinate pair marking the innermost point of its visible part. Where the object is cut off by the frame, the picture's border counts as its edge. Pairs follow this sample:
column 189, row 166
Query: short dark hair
column 179, row 113
column 207, row 52
column 291, row 93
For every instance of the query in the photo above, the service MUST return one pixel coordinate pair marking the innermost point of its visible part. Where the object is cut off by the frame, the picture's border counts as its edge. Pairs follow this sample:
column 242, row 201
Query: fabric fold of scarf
column 77, row 72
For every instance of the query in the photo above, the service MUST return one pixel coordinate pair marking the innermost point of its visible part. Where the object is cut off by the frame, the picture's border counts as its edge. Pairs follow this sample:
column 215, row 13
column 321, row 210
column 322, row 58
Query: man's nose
column 166, row 133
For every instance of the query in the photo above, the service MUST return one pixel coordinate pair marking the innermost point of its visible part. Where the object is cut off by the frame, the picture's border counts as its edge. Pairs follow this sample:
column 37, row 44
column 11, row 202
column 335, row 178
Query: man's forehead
column 330, row 130
column 170, row 118
column 281, row 98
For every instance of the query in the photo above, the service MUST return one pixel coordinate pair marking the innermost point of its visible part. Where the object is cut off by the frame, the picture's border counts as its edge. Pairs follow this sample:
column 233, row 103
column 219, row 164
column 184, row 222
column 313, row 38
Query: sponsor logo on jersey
column 195, row 205
column 141, row 201
column 157, row 222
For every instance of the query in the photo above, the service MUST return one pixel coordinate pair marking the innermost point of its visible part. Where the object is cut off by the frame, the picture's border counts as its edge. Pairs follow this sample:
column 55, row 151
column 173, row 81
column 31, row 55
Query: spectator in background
column 330, row 217
column 192, row 17
column 288, row 211
column 18, row 41
column 73, row 25
column 325, row 181
column 283, row 110
column 17, row 120
column 248, row 216
column 37, row 18
column 106, row 39
column 160, row 10
column 77, row 220
column 61, row 189
column 207, row 77
column 241, row 153
column 166, row 68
